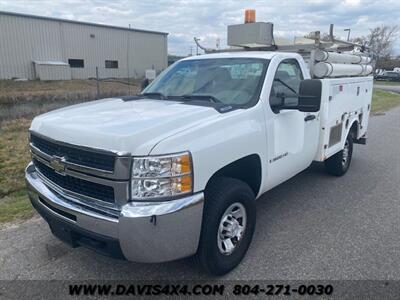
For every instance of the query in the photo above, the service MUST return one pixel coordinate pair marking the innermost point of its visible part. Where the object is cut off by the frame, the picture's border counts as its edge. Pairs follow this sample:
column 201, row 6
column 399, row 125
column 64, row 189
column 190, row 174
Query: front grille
column 73, row 155
column 76, row 185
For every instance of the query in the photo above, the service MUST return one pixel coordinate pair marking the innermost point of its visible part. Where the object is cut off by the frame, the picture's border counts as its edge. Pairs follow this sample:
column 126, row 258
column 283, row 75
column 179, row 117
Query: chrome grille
column 74, row 155
column 76, row 185
column 65, row 168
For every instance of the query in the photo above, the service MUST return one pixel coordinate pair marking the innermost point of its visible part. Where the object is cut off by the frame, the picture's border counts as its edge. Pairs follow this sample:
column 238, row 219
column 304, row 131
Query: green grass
column 15, row 206
column 380, row 82
column 383, row 101
column 14, row 156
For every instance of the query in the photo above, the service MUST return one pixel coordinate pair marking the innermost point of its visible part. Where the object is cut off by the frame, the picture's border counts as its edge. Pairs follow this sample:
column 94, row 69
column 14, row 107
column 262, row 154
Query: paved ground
column 312, row 227
column 390, row 88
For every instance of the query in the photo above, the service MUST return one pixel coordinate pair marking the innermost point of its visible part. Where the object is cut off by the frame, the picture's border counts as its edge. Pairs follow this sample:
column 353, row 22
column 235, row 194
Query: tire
column 339, row 163
column 226, row 198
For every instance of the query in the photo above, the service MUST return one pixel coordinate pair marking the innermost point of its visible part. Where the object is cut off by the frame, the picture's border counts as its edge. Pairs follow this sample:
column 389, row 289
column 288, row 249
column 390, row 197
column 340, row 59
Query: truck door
column 295, row 133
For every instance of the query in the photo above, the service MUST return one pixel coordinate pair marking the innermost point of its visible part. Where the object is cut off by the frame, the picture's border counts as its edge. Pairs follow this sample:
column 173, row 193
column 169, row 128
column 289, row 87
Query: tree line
column 381, row 40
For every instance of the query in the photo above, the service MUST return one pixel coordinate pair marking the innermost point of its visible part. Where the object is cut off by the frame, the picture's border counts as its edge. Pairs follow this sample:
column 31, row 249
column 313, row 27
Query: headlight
column 161, row 176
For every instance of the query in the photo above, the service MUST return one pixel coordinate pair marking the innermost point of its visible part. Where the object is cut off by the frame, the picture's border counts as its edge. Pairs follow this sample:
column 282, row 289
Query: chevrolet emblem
column 57, row 164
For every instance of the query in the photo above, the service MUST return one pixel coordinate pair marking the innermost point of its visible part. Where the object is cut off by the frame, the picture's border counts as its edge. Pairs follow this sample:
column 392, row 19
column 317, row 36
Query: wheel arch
column 352, row 126
column 247, row 169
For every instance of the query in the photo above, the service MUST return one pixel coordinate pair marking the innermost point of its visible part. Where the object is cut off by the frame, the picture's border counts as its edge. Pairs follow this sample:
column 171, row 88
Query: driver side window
column 285, row 86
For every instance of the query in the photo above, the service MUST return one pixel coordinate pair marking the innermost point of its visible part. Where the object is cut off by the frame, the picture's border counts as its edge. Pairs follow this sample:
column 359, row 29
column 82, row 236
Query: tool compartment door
column 349, row 100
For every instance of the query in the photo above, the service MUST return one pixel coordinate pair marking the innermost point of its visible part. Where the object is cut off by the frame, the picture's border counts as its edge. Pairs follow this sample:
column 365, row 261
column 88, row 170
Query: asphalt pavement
column 314, row 226
column 389, row 88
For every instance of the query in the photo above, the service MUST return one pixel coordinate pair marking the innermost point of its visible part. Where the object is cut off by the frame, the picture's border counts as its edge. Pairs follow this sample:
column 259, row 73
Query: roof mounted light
column 249, row 16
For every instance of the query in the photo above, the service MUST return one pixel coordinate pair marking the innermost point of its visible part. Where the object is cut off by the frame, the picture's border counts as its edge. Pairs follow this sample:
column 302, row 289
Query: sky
column 208, row 20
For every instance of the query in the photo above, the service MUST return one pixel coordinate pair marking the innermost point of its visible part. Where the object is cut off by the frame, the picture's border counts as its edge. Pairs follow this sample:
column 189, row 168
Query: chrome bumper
column 146, row 231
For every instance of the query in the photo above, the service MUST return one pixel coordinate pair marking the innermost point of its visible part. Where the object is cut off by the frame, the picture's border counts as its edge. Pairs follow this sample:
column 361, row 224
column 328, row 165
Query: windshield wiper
column 161, row 96
column 210, row 98
column 154, row 94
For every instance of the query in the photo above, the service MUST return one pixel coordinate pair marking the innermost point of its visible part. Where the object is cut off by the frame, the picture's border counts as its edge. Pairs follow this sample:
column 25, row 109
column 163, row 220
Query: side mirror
column 310, row 95
column 144, row 83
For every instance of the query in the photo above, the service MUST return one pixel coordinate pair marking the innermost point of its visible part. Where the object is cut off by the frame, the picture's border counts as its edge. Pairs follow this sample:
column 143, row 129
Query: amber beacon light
column 249, row 15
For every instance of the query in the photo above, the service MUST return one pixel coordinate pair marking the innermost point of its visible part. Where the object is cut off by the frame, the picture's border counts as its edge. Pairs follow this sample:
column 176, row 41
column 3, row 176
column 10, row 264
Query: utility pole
column 127, row 60
column 97, row 83
column 197, row 46
column 348, row 34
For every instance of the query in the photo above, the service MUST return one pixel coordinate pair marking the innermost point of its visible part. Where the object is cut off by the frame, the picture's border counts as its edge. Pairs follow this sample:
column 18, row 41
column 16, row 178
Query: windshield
column 233, row 81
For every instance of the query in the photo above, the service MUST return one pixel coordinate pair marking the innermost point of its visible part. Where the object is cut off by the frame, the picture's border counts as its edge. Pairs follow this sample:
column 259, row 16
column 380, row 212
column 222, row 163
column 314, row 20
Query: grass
column 15, row 206
column 14, row 156
column 383, row 101
column 381, row 82
column 11, row 88
column 20, row 99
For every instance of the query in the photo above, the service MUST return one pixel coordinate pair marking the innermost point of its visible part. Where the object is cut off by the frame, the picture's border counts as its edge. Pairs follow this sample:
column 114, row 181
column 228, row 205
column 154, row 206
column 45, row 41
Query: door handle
column 309, row 118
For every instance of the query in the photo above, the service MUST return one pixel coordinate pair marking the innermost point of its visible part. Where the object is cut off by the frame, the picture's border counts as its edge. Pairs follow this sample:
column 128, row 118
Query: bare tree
column 388, row 63
column 324, row 36
column 380, row 39
column 327, row 38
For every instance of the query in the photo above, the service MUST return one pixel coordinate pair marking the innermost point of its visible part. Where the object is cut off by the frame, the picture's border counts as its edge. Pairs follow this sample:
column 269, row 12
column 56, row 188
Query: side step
column 362, row 140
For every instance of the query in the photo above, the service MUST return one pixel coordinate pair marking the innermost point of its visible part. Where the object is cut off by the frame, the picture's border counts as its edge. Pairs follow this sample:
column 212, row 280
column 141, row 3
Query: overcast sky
column 184, row 19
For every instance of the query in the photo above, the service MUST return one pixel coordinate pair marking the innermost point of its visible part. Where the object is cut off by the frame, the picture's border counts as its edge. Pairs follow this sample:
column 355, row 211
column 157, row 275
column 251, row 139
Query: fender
column 351, row 125
column 219, row 142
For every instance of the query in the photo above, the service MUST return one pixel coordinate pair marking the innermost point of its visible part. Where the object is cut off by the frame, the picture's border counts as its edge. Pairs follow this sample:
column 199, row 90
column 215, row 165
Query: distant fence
column 30, row 71
column 27, row 98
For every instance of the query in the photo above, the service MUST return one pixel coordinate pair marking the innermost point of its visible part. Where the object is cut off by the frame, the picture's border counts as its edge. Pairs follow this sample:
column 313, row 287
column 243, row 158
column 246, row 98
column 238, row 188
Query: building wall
column 26, row 39
column 52, row 72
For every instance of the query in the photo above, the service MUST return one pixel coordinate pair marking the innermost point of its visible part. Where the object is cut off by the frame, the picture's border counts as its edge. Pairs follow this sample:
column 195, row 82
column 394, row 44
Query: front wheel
column 228, row 225
column 339, row 163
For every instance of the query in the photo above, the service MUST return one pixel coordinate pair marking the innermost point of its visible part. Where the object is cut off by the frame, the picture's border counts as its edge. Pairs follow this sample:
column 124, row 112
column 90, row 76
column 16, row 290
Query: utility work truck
column 175, row 171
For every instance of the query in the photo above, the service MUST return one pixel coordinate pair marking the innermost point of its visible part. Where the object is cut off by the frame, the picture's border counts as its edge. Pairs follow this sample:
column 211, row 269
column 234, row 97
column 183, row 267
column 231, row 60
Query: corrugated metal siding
column 25, row 39
column 52, row 72
column 148, row 47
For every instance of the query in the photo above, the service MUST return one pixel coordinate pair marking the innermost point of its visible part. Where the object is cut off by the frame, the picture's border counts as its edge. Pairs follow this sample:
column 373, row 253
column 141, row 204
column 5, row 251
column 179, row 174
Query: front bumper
column 143, row 231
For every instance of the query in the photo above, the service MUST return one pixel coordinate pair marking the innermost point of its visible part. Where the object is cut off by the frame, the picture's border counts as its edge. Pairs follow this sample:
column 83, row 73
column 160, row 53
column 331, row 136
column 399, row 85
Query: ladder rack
column 325, row 58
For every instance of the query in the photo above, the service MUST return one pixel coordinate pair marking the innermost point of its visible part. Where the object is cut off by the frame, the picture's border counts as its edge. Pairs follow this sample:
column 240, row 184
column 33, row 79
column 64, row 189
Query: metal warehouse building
column 36, row 47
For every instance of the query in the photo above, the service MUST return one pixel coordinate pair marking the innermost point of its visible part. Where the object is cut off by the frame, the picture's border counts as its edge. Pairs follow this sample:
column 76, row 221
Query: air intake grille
column 74, row 155
column 335, row 134
column 76, row 185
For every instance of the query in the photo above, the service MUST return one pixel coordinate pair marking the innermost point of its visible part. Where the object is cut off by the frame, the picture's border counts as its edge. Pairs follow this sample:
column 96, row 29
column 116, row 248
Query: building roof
column 9, row 13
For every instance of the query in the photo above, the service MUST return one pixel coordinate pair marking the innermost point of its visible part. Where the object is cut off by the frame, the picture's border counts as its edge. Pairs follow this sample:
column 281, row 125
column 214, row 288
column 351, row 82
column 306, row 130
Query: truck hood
column 114, row 124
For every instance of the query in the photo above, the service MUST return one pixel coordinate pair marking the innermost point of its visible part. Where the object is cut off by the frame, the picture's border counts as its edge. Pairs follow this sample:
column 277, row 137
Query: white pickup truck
column 176, row 170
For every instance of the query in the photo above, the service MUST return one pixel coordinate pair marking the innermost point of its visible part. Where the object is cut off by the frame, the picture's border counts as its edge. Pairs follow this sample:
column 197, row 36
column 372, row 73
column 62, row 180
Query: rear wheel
column 228, row 225
column 339, row 163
